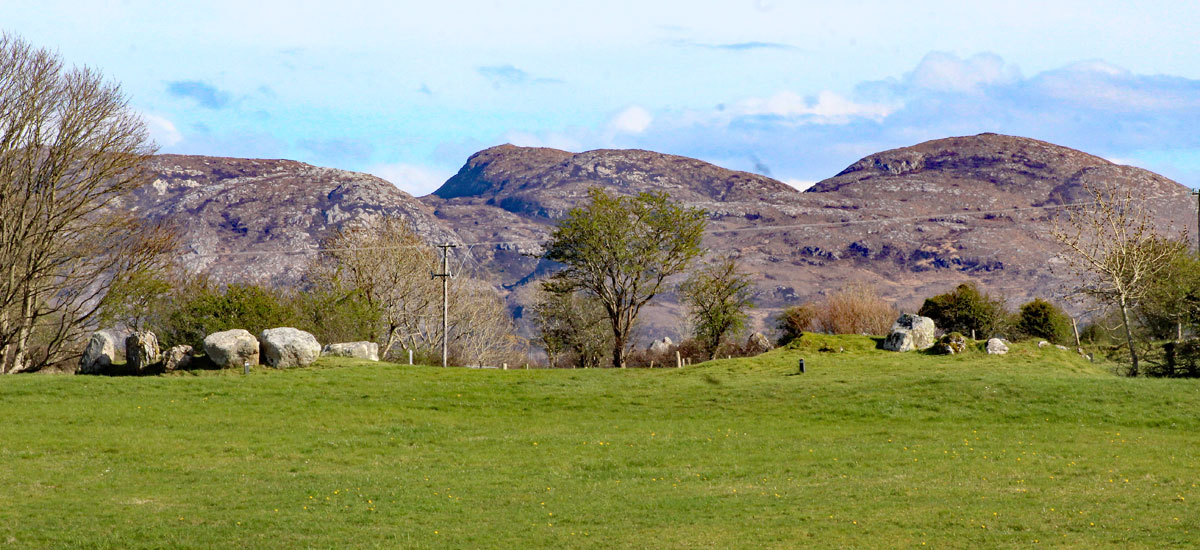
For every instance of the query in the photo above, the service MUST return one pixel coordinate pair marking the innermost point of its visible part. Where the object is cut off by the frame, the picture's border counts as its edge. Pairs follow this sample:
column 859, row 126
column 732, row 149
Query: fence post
column 410, row 356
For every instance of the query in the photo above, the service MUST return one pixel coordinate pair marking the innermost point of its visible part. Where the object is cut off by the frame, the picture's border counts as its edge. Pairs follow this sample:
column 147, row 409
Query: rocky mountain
column 913, row 221
column 261, row 221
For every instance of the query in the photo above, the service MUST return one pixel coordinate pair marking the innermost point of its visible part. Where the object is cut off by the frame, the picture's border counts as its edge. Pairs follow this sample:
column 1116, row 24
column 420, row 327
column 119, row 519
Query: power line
column 932, row 216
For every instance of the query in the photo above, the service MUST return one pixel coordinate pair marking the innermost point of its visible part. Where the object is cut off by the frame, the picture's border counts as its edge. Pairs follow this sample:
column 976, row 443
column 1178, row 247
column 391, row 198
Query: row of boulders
column 284, row 347
column 914, row 332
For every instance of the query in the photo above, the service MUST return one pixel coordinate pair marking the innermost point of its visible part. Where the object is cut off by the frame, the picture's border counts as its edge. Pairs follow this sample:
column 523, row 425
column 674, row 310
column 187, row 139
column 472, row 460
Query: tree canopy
column 621, row 249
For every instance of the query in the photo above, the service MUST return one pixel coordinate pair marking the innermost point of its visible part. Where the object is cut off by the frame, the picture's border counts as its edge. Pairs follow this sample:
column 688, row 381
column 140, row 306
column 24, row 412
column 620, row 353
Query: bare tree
column 70, row 149
column 1115, row 250
column 388, row 265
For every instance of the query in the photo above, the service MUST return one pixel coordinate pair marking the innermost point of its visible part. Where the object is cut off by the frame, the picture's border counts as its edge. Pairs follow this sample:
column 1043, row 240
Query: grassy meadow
column 1039, row 448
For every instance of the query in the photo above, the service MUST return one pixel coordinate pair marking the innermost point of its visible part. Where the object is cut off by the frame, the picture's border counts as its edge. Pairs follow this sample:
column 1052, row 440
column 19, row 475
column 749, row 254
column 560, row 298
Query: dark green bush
column 206, row 310
column 965, row 309
column 1042, row 319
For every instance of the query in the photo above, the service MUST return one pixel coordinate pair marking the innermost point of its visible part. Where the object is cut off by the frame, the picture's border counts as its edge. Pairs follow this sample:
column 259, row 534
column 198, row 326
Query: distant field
column 1038, row 448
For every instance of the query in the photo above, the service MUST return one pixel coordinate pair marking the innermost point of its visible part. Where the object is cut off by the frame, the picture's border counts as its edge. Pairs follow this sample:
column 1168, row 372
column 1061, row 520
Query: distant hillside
column 913, row 221
column 241, row 206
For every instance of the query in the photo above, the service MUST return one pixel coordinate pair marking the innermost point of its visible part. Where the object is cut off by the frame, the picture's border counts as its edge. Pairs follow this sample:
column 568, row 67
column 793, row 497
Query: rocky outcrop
column 224, row 205
column 910, row 332
column 142, row 353
column 357, row 350
column 232, row 348
column 288, row 347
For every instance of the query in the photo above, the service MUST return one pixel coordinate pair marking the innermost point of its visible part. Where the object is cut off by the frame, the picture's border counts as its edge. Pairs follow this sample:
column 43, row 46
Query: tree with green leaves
column 621, row 249
column 717, row 297
column 965, row 309
column 1172, row 300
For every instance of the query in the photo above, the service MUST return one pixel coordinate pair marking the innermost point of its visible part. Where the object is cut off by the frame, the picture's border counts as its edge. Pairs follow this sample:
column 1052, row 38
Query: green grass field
column 868, row 449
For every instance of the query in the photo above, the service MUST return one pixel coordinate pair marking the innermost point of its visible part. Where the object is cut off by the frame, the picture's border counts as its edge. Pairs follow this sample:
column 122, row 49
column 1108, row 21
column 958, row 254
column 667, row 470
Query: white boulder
column 910, row 332
column 996, row 346
column 287, row 347
column 231, row 348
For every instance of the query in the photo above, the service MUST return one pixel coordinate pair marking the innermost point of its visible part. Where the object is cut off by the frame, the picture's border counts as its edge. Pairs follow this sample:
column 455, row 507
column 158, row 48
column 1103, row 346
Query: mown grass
column 867, row 449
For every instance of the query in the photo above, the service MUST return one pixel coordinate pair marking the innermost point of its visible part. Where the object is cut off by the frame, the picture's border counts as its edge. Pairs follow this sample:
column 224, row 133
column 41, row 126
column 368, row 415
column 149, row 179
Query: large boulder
column 910, row 332
column 356, row 350
column 758, row 343
column 100, row 353
column 996, row 346
column 231, row 348
column 661, row 346
column 177, row 358
column 951, row 344
column 142, row 353
column 288, row 347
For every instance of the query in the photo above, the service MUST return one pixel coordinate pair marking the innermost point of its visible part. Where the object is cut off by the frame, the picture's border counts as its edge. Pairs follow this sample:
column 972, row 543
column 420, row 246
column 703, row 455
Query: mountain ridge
column 912, row 221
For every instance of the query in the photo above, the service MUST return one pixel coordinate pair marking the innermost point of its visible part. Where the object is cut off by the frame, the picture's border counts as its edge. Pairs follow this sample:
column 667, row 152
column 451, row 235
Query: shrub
column 965, row 309
column 856, row 309
column 793, row 321
column 1042, row 319
column 208, row 310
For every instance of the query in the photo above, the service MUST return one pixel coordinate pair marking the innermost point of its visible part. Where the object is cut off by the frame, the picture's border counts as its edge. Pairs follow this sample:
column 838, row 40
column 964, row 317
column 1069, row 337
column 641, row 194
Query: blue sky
column 795, row 90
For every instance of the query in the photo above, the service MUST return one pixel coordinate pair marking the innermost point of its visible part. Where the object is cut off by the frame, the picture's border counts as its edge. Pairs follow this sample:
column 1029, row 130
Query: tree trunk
column 1133, row 371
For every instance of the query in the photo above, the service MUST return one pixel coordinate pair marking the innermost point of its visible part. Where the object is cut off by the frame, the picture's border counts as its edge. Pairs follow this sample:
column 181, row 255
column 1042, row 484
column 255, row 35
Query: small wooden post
column 651, row 363
column 678, row 360
column 410, row 356
column 1075, row 327
column 503, row 366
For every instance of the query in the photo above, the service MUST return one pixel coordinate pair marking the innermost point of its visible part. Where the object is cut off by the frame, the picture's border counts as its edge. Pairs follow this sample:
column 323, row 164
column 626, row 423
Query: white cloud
column 827, row 108
column 413, row 179
column 161, row 130
column 943, row 72
column 633, row 120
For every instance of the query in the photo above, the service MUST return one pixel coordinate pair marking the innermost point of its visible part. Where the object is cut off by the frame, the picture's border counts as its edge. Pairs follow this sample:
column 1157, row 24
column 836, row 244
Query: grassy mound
column 868, row 448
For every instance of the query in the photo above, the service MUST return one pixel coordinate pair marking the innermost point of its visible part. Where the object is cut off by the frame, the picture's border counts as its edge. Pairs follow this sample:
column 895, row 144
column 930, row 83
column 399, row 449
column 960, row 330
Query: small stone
column 177, row 358
column 951, row 344
column 356, row 350
column 758, row 343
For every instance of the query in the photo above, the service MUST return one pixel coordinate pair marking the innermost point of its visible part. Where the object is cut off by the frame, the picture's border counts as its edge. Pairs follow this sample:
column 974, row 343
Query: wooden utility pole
column 445, row 275
column 1196, row 193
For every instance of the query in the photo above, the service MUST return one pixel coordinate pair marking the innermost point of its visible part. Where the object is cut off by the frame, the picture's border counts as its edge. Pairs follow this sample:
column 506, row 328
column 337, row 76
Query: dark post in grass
column 801, row 366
